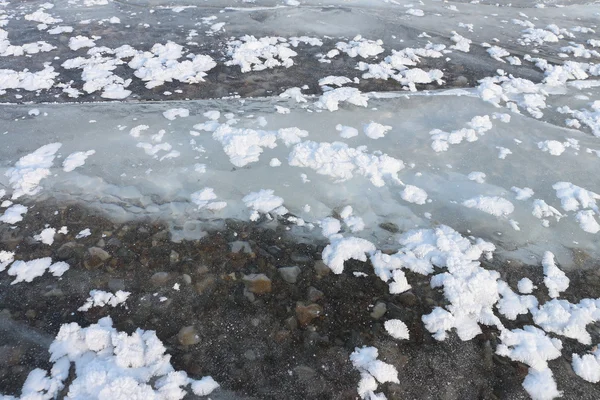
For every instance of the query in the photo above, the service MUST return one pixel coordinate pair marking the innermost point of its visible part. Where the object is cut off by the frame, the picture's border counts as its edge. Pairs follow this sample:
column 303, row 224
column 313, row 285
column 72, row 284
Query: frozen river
column 436, row 159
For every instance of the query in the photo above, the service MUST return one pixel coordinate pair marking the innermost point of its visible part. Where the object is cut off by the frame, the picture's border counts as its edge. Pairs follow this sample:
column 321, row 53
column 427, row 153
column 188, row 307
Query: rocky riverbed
column 255, row 309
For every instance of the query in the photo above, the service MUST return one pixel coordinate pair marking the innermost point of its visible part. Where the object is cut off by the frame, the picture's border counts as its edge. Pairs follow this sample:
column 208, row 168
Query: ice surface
column 125, row 188
column 509, row 156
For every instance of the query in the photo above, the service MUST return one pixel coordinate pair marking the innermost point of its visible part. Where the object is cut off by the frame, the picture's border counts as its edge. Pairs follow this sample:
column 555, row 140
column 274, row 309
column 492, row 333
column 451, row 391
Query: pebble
column 304, row 372
column 115, row 284
column 314, row 294
column 174, row 257
column 250, row 355
column 306, row 313
column 257, row 283
column 95, row 257
column 291, row 323
column 321, row 268
column 379, row 310
column 205, row 284
column 408, row 299
column 69, row 250
column 301, row 258
column 290, row 274
column 159, row 278
column 188, row 336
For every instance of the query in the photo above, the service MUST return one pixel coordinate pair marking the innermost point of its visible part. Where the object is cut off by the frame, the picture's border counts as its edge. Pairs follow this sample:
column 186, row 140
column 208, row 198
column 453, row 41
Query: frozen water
column 347, row 121
column 159, row 183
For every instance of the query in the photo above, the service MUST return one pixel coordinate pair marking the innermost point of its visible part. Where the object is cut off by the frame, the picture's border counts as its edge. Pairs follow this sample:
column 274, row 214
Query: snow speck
column 46, row 236
column 84, row 233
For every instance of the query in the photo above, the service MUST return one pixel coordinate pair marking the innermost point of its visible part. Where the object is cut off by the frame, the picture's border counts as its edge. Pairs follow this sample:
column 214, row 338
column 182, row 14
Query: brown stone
column 95, row 257
column 257, row 283
column 205, row 284
column 305, row 314
column 321, row 269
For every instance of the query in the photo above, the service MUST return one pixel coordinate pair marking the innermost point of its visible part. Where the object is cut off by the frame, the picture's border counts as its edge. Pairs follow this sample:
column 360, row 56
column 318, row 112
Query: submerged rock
column 307, row 313
column 188, row 336
column 257, row 283
column 290, row 274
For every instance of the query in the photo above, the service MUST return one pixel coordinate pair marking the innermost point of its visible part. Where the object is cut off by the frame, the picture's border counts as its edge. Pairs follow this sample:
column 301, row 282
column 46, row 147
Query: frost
column 253, row 54
column 28, row 172
column 462, row 44
column 100, row 298
column 531, row 346
column 111, row 365
column 330, row 226
column 396, row 329
column 375, row 130
column 161, row 65
column 525, row 286
column 342, row 249
column 413, row 194
column 6, row 257
column 522, row 193
column 372, row 371
column 26, row 80
column 360, row 46
column 173, row 113
column 244, row 146
column 553, row 147
column 476, row 127
column 341, row 162
column 204, row 199
column 587, row 222
column 330, row 100
column 587, row 366
column 79, row 42
column 415, row 12
column 46, row 236
column 573, row 197
column 291, row 136
column 204, row 386
column 76, row 160
column 497, row 206
column 334, row 80
column 294, row 93
column 555, row 280
column 477, row 176
column 541, row 385
column 265, row 202
column 346, row 132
